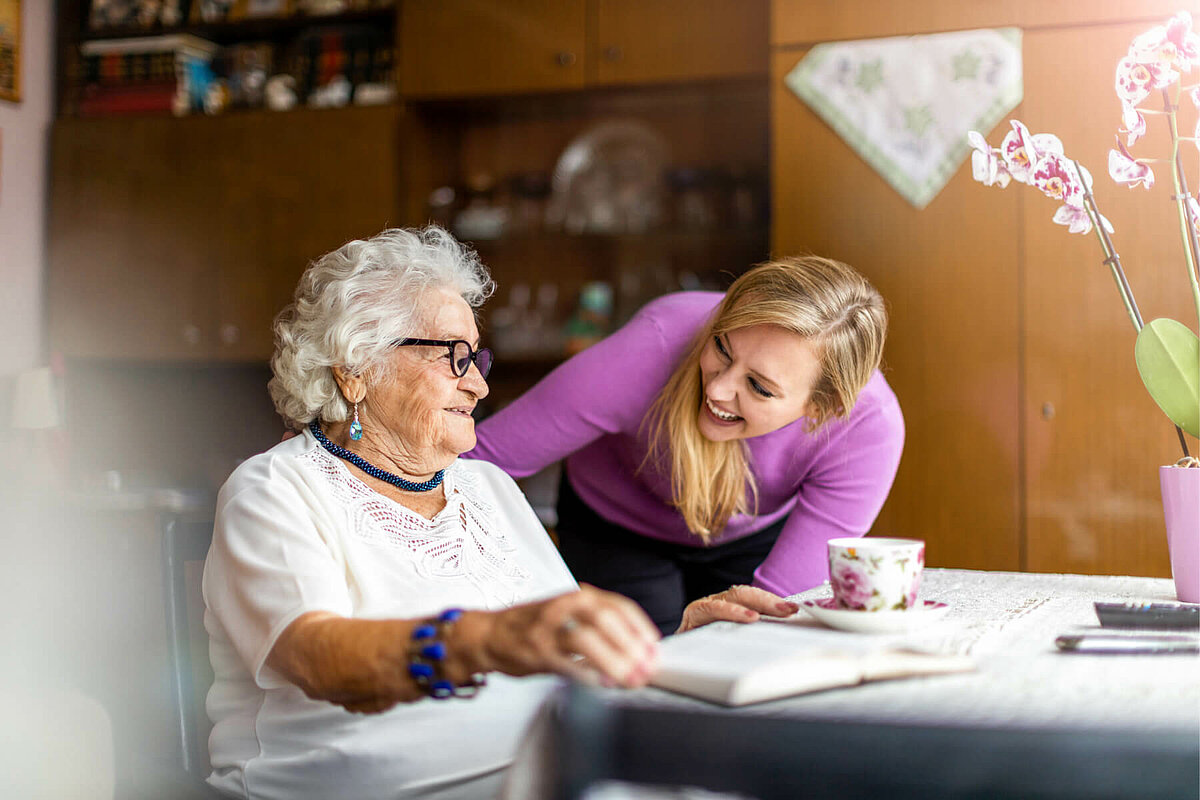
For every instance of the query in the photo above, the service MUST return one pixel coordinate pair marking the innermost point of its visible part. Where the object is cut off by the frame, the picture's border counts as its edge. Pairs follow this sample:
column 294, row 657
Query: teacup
column 876, row 574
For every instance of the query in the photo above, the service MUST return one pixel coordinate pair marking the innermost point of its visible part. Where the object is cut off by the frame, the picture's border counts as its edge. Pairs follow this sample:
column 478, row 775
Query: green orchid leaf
column 1168, row 359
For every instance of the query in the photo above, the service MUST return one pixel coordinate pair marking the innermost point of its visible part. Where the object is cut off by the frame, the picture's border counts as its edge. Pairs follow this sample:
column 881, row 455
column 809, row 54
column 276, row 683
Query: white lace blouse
column 295, row 532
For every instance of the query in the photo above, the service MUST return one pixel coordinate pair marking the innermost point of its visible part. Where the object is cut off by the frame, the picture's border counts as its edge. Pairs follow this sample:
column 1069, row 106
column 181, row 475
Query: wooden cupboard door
column 1095, row 439
column 950, row 276
column 469, row 47
column 294, row 187
column 641, row 41
column 122, row 281
column 181, row 239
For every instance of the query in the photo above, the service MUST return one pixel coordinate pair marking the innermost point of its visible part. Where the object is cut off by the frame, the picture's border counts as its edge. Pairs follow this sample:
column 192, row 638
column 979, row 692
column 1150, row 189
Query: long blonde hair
column 824, row 301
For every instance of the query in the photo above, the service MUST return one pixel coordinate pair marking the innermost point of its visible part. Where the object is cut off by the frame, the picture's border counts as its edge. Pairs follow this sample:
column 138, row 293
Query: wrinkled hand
column 616, row 640
column 736, row 604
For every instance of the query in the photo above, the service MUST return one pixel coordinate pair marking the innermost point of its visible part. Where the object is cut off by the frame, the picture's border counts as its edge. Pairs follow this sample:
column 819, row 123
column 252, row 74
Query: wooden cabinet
column 180, row 239
column 451, row 48
column 471, row 47
column 635, row 41
column 1031, row 442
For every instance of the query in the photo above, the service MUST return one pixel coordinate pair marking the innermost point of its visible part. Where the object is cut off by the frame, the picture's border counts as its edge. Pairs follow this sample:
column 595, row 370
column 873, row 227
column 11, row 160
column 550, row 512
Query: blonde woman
column 716, row 439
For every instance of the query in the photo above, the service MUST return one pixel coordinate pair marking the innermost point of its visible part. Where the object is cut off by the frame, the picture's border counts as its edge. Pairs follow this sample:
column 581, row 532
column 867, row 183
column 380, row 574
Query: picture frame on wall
column 10, row 50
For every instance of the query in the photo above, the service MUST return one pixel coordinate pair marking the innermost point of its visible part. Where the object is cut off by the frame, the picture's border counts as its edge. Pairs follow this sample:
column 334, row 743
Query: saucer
column 875, row 621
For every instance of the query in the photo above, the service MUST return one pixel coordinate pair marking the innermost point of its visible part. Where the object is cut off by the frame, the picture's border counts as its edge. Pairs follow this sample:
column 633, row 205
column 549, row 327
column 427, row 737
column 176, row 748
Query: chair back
column 185, row 546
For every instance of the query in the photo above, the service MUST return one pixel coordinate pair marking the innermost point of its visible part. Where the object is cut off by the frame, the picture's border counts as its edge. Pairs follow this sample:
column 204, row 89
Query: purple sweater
column 590, row 410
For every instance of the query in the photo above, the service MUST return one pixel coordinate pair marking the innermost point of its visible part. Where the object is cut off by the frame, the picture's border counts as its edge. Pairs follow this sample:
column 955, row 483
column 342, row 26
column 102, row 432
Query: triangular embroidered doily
column 905, row 103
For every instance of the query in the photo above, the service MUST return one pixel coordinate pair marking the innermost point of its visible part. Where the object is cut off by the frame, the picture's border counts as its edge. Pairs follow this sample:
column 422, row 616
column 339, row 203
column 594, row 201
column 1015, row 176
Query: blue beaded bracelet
column 427, row 655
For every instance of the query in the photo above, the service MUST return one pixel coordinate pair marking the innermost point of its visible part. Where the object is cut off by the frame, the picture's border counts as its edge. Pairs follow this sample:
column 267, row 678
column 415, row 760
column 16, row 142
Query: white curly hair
column 351, row 304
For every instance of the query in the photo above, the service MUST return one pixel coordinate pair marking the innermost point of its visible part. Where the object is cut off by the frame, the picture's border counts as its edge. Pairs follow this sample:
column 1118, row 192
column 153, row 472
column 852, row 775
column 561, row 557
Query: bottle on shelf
column 590, row 322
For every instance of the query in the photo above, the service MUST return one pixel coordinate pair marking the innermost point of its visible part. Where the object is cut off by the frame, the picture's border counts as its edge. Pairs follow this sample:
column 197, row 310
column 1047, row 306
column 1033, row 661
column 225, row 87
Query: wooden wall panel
column 1093, row 496
column 802, row 22
column 1006, row 329
column 950, row 277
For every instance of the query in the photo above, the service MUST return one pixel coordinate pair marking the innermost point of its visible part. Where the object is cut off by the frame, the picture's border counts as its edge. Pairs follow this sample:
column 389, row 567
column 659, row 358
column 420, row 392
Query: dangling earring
column 355, row 426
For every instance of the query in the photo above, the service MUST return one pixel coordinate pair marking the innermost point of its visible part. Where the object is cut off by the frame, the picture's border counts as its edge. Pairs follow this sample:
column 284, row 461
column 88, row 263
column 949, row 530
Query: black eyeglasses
column 461, row 354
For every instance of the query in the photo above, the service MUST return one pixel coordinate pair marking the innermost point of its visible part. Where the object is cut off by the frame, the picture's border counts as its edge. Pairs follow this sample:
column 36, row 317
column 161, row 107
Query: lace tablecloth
column 1007, row 622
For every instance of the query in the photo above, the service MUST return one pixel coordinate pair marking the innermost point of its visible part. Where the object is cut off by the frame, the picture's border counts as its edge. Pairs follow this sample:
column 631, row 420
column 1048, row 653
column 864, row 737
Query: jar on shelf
column 442, row 206
column 481, row 218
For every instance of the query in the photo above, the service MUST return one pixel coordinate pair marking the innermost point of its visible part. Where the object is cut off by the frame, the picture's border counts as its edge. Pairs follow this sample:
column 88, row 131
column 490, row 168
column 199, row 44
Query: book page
column 734, row 664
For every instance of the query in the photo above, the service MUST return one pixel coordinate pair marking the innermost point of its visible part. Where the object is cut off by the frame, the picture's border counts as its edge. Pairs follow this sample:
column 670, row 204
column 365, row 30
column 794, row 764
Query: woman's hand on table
column 362, row 665
column 735, row 604
column 588, row 635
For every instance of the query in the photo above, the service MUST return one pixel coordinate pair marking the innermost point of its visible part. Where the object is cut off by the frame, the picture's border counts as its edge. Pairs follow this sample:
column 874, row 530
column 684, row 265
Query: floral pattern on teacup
column 879, row 580
column 850, row 584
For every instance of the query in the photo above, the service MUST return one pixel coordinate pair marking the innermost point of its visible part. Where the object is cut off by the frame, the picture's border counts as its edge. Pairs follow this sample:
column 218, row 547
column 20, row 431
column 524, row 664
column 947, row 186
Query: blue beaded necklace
column 373, row 471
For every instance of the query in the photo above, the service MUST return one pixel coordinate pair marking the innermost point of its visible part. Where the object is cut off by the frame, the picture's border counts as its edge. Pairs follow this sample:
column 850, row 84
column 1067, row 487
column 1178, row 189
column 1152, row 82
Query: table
column 1007, row 622
column 1029, row 722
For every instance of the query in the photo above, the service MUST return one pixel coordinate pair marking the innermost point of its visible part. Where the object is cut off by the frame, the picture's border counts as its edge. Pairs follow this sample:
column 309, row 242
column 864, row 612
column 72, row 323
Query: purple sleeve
column 604, row 389
column 841, row 496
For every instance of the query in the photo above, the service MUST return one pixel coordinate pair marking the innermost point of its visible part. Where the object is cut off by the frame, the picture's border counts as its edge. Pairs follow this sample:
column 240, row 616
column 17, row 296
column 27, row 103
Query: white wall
column 24, row 138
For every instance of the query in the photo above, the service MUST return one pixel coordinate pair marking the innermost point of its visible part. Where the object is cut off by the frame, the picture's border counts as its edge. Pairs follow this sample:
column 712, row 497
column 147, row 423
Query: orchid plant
column 1167, row 352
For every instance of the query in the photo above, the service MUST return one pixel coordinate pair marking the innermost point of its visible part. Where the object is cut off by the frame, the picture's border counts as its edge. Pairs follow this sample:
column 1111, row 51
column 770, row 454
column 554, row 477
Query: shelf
column 260, row 28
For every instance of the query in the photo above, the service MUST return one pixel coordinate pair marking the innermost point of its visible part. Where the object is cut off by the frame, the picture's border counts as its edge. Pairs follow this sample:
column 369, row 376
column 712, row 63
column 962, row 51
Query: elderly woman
column 361, row 570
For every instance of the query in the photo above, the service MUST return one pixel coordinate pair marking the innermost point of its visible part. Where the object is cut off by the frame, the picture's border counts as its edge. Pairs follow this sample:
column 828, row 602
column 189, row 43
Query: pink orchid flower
column 1195, row 95
column 1136, row 79
column 1124, row 168
column 1038, row 160
column 985, row 163
column 1173, row 47
column 1021, row 150
column 1134, row 122
column 1187, row 42
column 1193, row 210
column 1077, row 220
column 1057, row 178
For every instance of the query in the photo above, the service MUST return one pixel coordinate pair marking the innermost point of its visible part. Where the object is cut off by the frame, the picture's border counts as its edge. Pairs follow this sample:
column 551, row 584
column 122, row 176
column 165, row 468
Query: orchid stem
column 1114, row 263
column 1110, row 253
column 1187, row 226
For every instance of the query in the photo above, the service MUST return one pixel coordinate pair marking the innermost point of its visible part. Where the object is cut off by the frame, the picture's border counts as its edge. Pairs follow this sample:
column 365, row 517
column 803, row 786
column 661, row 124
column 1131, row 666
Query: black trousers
column 661, row 577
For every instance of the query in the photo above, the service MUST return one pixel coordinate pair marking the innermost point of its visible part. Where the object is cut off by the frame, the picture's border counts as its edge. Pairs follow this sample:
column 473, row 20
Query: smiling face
column 424, row 407
column 755, row 380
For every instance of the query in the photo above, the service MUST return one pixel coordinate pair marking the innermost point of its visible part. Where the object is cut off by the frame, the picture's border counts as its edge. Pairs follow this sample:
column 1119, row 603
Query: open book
column 734, row 664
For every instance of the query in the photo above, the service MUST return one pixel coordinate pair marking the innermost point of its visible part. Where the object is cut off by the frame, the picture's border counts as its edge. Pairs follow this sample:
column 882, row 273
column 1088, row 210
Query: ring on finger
column 568, row 626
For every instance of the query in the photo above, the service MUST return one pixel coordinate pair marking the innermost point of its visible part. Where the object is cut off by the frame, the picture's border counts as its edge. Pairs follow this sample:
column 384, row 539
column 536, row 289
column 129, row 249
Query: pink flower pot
column 1181, row 507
